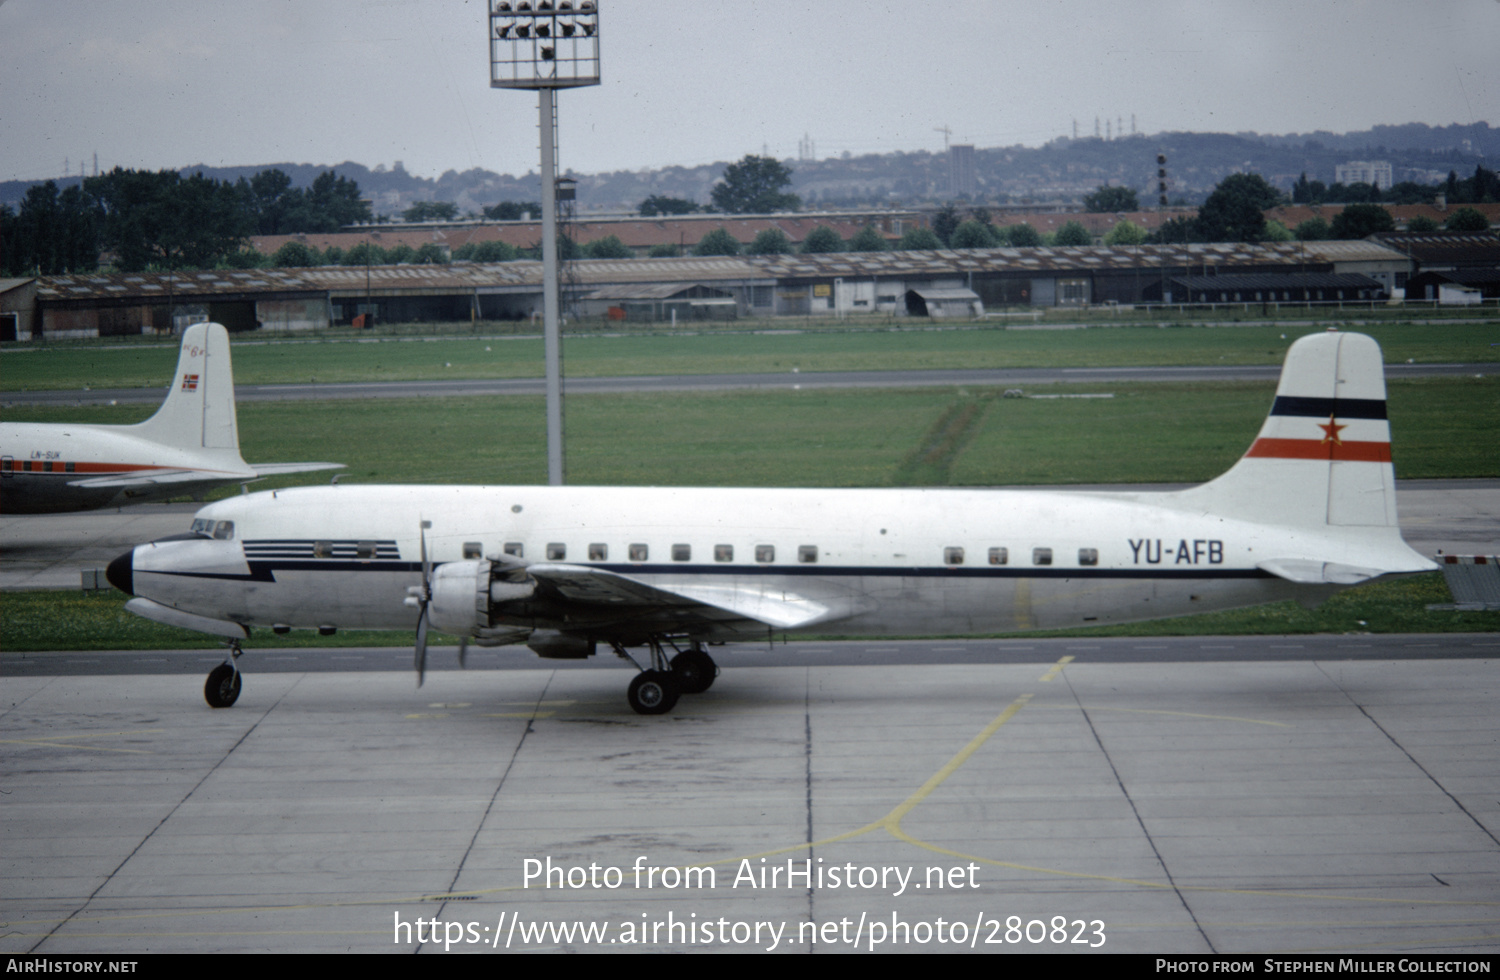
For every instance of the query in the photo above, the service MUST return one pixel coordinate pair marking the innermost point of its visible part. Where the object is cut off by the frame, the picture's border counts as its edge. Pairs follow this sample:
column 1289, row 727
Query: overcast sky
column 170, row 83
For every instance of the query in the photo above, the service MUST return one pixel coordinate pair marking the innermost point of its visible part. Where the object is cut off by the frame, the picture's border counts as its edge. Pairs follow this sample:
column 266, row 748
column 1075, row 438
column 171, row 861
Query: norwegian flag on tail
column 189, row 382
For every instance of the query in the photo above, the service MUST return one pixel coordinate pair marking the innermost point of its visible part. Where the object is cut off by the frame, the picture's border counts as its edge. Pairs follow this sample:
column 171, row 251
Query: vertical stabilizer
column 199, row 410
column 1323, row 456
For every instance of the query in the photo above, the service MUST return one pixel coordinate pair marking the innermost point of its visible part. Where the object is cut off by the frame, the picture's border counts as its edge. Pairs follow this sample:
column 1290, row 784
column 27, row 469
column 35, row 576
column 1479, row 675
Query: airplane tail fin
column 1323, row 456
column 199, row 410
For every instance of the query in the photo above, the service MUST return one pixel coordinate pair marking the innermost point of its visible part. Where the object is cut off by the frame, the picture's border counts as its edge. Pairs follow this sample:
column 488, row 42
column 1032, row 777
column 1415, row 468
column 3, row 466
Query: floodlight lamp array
column 544, row 44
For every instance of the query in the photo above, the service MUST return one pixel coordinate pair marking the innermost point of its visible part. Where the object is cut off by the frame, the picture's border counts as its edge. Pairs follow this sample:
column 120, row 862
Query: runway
column 1298, row 806
column 1010, row 377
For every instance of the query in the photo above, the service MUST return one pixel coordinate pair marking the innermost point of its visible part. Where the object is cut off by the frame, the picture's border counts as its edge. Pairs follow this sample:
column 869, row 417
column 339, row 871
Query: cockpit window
column 224, row 531
column 202, row 526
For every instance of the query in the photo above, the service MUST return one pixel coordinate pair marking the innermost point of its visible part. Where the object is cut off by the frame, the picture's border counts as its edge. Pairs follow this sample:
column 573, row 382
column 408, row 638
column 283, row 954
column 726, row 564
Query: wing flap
column 151, row 478
column 724, row 604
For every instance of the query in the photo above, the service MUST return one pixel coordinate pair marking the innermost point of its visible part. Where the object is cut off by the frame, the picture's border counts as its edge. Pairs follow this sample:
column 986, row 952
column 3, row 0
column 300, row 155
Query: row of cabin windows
column 8, row 465
column 1039, row 556
column 807, row 554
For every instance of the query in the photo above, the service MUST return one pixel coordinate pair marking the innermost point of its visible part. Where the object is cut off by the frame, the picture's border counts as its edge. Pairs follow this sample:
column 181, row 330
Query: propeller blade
column 421, row 647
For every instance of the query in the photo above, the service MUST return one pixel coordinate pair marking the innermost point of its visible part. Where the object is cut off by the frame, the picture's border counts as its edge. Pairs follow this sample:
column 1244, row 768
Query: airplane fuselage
column 882, row 561
column 45, row 467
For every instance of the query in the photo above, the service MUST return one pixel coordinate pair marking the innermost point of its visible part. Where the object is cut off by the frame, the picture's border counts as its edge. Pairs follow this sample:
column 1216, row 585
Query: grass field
column 1146, row 433
column 262, row 360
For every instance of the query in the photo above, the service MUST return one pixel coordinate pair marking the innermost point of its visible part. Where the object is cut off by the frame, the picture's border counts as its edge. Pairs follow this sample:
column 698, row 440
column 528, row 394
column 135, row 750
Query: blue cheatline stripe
column 261, row 570
column 1344, row 408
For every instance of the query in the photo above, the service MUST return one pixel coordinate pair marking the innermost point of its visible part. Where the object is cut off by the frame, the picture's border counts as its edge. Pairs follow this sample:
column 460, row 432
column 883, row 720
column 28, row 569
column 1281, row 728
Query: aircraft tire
column 695, row 671
column 652, row 692
column 223, row 687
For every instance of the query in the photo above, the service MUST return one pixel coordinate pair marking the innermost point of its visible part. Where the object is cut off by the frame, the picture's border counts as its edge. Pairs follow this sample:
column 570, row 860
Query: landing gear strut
column 223, row 686
column 655, row 691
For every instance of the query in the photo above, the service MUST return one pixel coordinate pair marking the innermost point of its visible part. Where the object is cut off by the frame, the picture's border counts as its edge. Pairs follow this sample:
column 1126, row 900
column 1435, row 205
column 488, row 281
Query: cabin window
column 765, row 553
column 682, row 552
column 8, row 465
column 598, row 552
column 224, row 531
column 1041, row 556
column 322, row 549
column 807, row 554
column 723, row 552
column 364, row 550
column 473, row 549
column 515, row 549
column 557, row 551
column 953, row 556
column 639, row 552
column 999, row 556
column 69, row 467
column 1088, row 556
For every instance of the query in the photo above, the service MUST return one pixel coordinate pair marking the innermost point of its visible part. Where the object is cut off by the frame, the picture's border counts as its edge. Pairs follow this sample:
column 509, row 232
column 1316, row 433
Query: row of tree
column 162, row 219
column 1482, row 188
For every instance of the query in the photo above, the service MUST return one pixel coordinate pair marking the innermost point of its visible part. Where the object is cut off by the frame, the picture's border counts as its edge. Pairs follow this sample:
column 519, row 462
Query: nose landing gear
column 223, row 686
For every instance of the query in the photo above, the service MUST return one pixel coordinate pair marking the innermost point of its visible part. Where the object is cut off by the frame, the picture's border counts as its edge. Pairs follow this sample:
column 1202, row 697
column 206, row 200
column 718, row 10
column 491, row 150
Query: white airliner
column 190, row 445
column 1309, row 509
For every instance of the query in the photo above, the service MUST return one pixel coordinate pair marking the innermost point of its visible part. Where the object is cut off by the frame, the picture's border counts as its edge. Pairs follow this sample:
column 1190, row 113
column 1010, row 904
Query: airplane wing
column 733, row 605
column 277, row 469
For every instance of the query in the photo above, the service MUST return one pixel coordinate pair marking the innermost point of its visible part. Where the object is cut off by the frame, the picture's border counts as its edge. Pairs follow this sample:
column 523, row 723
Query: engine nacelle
column 552, row 645
column 464, row 592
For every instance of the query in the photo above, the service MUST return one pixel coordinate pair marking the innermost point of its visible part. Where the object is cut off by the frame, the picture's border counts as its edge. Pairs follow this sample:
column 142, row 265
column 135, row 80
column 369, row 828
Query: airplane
column 189, row 446
column 1308, row 510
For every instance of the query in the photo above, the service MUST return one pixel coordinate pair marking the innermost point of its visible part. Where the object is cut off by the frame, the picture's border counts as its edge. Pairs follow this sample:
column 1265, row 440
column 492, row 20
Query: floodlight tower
column 546, row 45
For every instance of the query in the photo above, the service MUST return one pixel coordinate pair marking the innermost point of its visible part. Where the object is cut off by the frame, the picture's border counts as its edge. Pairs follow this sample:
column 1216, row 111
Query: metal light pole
column 546, row 45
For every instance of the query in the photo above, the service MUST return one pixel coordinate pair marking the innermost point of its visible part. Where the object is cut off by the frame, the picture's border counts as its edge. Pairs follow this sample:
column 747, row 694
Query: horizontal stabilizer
column 151, row 478
column 158, row 613
column 277, row 469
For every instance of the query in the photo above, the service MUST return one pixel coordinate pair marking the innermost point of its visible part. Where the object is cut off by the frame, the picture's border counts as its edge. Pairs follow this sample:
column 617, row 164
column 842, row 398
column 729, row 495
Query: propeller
column 418, row 597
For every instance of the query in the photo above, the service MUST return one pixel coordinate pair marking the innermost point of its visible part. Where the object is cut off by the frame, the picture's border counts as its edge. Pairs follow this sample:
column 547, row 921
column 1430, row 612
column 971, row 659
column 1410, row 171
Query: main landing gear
column 655, row 691
column 223, row 686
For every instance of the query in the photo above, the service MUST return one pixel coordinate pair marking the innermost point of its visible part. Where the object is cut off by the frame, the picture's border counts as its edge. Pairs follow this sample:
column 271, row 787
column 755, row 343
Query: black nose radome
column 121, row 573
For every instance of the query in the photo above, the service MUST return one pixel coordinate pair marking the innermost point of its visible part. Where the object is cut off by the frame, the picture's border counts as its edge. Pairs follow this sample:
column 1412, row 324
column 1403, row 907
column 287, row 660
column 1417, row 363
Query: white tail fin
column 1323, row 456
column 199, row 410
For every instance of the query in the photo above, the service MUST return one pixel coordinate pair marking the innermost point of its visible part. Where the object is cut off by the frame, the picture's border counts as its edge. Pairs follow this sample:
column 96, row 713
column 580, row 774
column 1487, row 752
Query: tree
column 608, row 247
column 430, row 253
column 512, row 211
column 294, row 255
column 54, row 232
column 1311, row 230
column 1361, row 221
column 974, row 234
column 1111, row 199
column 1073, row 233
column 1125, row 233
column 918, row 240
column 717, row 242
column 1277, row 232
column 1421, row 223
column 945, row 223
column 1235, row 211
column 1467, row 219
column 365, row 253
column 162, row 219
column 867, row 239
column 399, row 254
column 660, row 204
column 822, row 239
column 772, row 241
column 664, row 250
column 1022, row 235
column 431, row 211
column 755, row 186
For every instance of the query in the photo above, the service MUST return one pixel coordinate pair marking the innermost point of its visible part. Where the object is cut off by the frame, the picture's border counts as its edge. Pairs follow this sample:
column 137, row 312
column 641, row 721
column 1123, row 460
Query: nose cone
column 121, row 572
